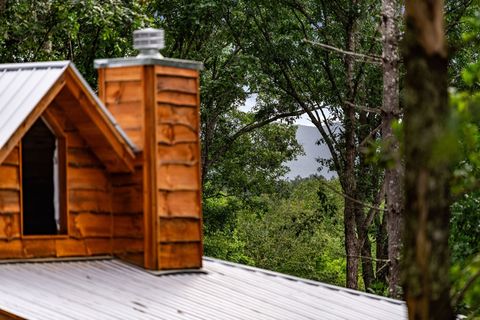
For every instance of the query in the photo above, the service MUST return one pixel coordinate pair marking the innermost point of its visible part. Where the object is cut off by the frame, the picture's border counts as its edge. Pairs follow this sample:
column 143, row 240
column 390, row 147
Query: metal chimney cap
column 148, row 41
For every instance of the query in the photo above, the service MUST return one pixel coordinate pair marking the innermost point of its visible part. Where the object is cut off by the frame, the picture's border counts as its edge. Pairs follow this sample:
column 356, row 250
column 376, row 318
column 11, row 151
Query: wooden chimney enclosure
column 128, row 178
column 156, row 102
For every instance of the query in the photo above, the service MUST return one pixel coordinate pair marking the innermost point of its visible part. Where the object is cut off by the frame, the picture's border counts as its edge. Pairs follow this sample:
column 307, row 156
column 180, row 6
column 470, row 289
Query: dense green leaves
column 80, row 31
column 296, row 231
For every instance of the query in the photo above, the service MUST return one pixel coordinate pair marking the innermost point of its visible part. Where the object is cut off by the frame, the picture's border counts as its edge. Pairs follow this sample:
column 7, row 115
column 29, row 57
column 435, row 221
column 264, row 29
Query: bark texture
column 349, row 185
column 428, row 163
column 391, row 112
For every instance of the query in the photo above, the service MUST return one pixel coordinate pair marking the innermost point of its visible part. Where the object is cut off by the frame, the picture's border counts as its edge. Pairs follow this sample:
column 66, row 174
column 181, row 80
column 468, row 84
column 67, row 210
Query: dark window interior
column 38, row 150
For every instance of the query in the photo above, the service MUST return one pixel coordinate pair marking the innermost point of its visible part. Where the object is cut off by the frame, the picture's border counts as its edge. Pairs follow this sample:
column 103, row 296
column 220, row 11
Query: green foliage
column 80, row 31
column 242, row 155
column 298, row 231
column 465, row 221
column 255, row 162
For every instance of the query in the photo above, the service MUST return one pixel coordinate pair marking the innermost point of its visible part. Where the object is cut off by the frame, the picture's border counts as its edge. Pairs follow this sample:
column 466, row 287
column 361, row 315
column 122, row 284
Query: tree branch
column 461, row 294
column 346, row 196
column 374, row 59
column 254, row 125
column 363, row 108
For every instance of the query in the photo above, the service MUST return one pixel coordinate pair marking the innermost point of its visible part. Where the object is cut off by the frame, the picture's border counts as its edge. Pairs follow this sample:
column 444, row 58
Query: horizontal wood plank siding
column 128, row 220
column 89, row 203
column 121, row 91
column 10, row 201
column 179, row 232
column 183, row 255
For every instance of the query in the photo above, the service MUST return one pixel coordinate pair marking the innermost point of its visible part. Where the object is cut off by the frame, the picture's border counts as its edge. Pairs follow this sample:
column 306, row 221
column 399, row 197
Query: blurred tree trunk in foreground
column 428, row 163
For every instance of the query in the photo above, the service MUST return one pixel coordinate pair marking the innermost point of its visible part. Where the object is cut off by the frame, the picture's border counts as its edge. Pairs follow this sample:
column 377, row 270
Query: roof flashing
column 147, row 61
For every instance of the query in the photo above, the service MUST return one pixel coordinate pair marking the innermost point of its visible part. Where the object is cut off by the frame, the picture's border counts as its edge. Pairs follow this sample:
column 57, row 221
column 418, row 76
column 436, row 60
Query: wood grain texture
column 178, row 169
column 179, row 230
column 89, row 225
column 94, row 125
column 11, row 249
column 176, row 84
column 13, row 158
column 128, row 226
column 122, row 91
column 9, row 226
column 175, row 72
column 150, row 169
column 169, row 114
column 10, row 179
column 184, row 255
column 178, row 177
column 87, row 179
column 9, row 201
column 179, row 204
column 133, row 73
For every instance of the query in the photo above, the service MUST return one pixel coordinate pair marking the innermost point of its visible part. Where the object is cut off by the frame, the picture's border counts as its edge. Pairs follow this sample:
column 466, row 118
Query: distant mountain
column 307, row 164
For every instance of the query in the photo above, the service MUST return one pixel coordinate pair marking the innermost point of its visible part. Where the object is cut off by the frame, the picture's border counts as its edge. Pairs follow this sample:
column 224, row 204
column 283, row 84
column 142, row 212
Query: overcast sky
column 304, row 120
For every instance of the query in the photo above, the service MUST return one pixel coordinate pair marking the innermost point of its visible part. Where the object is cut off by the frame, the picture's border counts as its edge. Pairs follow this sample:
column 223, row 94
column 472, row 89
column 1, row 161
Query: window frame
column 61, row 139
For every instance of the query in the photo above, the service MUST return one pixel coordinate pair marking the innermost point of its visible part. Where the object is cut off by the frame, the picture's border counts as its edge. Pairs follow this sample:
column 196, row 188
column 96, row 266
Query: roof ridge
column 35, row 65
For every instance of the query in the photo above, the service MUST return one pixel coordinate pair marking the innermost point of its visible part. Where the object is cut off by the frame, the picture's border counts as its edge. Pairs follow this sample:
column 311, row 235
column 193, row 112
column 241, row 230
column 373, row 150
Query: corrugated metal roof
column 110, row 289
column 23, row 85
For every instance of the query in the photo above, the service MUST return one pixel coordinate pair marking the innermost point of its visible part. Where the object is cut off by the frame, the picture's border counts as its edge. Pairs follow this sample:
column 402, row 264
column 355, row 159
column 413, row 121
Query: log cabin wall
column 88, row 197
column 157, row 105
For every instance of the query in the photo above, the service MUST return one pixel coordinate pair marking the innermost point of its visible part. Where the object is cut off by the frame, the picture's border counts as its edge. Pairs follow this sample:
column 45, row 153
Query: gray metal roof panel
column 110, row 289
column 23, row 85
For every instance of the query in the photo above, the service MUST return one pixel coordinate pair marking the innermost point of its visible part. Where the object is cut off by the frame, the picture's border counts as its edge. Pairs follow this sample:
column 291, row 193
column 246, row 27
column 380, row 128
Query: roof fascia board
column 89, row 105
column 35, row 65
column 147, row 61
column 102, row 107
column 5, row 315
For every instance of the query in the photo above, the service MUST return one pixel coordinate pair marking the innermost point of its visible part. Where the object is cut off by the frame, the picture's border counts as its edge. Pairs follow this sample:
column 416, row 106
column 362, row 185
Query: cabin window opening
column 41, row 181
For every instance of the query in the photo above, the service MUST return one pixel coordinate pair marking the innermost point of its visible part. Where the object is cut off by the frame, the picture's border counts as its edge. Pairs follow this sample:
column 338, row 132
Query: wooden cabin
column 114, row 175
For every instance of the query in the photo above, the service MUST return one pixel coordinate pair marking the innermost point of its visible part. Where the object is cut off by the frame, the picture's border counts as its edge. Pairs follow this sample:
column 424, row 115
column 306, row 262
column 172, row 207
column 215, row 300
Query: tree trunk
column 351, row 245
column 350, row 210
column 390, row 112
column 427, row 164
column 367, row 264
column 381, row 237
